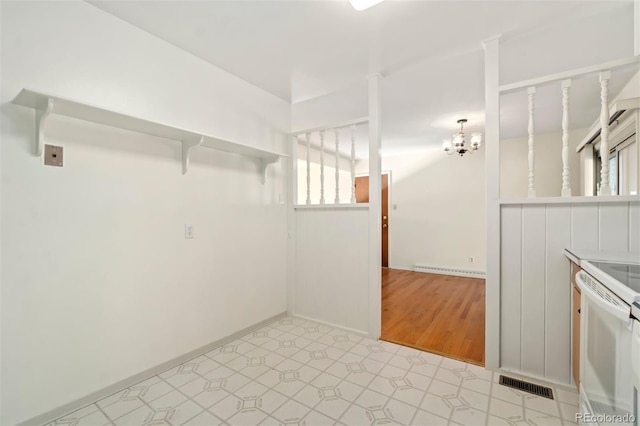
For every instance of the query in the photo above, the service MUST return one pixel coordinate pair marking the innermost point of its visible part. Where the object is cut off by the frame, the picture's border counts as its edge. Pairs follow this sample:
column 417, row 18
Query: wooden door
column 362, row 196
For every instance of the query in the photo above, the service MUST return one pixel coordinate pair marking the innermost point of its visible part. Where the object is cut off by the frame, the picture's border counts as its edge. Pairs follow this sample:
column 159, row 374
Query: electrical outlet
column 472, row 259
column 53, row 155
column 188, row 232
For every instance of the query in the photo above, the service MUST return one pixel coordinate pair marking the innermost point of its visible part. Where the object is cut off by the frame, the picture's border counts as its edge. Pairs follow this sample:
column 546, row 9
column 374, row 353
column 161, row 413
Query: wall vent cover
column 538, row 390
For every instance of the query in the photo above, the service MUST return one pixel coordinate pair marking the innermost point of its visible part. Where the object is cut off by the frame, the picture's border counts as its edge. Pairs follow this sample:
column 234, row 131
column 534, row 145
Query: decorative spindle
column 605, row 189
column 337, row 132
column 532, row 189
column 308, row 135
column 566, row 173
column 353, row 164
column 321, row 166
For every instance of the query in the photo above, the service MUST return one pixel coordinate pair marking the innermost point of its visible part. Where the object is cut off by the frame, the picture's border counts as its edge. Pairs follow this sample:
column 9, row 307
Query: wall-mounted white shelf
column 46, row 104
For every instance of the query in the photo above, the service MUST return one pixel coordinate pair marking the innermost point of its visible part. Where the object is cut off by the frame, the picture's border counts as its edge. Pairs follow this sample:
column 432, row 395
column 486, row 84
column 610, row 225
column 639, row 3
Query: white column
column 605, row 189
column 353, row 164
column 636, row 27
column 375, row 209
column 531, row 91
column 492, row 165
column 337, row 199
column 321, row 166
column 566, row 173
column 308, row 140
column 292, row 200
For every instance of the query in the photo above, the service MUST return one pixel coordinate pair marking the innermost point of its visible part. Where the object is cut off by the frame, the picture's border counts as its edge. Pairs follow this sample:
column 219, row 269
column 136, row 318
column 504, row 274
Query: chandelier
column 458, row 145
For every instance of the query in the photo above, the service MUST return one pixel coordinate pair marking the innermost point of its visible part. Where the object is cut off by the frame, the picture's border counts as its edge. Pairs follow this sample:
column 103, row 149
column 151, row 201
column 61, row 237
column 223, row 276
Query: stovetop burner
column 626, row 273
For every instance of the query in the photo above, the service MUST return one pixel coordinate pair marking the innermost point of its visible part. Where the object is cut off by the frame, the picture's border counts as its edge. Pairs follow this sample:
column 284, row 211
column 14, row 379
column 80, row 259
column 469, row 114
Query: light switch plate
column 53, row 155
column 188, row 232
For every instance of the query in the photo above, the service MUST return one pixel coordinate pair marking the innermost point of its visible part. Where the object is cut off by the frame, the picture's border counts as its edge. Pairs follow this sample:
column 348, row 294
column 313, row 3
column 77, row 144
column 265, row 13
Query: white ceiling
column 428, row 51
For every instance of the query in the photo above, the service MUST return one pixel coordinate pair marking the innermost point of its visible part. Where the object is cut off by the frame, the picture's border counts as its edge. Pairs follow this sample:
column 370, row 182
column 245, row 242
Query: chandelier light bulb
column 446, row 145
column 476, row 138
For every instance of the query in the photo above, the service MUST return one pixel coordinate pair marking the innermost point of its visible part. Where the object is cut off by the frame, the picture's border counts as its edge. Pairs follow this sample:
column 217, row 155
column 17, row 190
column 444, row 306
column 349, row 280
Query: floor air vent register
column 526, row 387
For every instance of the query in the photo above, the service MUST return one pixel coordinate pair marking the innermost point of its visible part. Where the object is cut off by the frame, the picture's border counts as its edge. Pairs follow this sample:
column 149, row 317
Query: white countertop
column 578, row 256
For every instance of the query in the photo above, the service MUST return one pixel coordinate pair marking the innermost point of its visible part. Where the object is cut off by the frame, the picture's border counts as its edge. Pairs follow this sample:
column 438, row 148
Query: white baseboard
column 402, row 268
column 449, row 271
column 441, row 271
column 329, row 324
column 144, row 375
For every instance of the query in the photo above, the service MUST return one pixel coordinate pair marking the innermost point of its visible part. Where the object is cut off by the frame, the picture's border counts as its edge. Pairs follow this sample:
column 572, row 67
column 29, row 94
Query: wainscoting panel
column 533, row 244
column 584, row 217
column 634, row 228
column 557, row 294
column 614, row 237
column 511, row 297
column 535, row 276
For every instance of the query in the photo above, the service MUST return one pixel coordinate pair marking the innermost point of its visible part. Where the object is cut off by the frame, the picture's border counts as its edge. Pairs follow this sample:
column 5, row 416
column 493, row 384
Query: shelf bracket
column 41, row 119
column 262, row 165
column 187, row 146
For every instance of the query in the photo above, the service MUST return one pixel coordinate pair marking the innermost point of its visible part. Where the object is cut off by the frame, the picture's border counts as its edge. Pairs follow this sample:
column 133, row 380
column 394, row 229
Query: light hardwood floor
column 436, row 313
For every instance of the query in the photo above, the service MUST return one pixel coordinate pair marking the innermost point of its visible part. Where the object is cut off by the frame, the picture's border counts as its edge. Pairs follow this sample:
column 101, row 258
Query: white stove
column 610, row 295
column 623, row 279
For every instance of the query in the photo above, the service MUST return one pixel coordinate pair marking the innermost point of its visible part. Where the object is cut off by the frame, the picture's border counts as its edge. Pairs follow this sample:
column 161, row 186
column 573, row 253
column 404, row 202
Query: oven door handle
column 620, row 312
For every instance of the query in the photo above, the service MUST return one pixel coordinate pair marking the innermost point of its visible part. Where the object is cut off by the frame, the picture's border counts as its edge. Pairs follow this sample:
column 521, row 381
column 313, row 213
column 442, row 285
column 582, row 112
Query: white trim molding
column 492, row 164
column 375, row 220
column 456, row 272
column 357, row 206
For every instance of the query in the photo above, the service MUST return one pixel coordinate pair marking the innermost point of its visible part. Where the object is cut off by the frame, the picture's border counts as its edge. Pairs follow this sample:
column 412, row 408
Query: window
column 627, row 167
column 623, row 162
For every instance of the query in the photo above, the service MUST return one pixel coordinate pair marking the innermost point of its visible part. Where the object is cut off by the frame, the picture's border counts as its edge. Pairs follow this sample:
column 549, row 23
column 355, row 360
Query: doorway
column 442, row 314
column 362, row 196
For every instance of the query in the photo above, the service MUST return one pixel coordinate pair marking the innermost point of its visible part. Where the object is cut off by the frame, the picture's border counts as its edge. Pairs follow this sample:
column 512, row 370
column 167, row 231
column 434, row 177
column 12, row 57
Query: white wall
column 514, row 165
column 332, row 266
column 564, row 45
column 436, row 209
column 535, row 278
column 347, row 104
column 98, row 282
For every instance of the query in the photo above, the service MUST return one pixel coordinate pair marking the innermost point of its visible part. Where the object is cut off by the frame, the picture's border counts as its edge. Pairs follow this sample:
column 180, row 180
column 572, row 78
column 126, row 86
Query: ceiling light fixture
column 364, row 4
column 458, row 144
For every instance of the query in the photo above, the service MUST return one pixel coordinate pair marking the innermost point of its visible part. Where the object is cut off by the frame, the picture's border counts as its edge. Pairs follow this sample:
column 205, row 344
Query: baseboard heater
column 449, row 271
